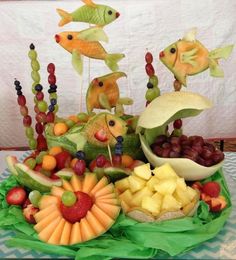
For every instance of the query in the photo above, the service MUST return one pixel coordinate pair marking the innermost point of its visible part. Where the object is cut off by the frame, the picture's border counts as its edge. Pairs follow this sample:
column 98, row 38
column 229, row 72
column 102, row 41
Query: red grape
column 101, row 160
column 51, row 79
column 217, row 156
column 176, row 148
column 21, row 100
column 166, row 145
column 206, row 153
column 27, row 121
column 24, row 110
column 174, row 154
column 210, row 147
column 51, row 68
column 160, row 139
column 183, row 138
column 149, row 70
column 80, row 167
column 196, row 140
column 148, row 57
column 166, row 152
column 39, row 96
column 177, row 124
column 36, row 110
column 190, row 152
column 41, row 117
column 174, row 140
column 39, row 128
column 208, row 163
column 197, row 148
column 201, row 161
column 50, row 117
column 157, row 150
column 116, row 160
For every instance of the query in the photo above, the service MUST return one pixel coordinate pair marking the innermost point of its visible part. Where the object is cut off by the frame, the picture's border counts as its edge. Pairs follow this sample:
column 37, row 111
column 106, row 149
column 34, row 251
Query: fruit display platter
column 106, row 184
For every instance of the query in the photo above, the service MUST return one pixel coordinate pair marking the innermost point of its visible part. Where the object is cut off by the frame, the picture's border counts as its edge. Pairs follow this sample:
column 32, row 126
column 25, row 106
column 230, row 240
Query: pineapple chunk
column 157, row 197
column 126, row 196
column 122, row 184
column 182, row 196
column 136, row 183
column 166, row 186
column 165, row 172
column 143, row 171
column 152, row 182
column 191, row 193
column 139, row 195
column 169, row 203
column 151, row 205
column 180, row 184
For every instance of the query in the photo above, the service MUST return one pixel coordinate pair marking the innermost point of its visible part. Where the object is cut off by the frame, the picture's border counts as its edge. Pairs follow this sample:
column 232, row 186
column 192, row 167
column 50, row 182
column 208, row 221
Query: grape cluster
column 152, row 85
column 194, row 148
column 53, row 107
column 27, row 120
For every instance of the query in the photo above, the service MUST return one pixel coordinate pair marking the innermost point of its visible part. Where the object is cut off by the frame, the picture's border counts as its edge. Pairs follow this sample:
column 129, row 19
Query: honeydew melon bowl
column 153, row 121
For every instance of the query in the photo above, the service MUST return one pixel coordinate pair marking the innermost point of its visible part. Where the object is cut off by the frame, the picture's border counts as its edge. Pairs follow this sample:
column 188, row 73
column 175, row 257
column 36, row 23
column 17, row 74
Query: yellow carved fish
column 188, row 57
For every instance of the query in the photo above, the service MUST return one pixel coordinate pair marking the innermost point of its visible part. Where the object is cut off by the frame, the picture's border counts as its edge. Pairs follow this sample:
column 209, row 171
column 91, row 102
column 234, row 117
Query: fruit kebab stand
column 106, row 184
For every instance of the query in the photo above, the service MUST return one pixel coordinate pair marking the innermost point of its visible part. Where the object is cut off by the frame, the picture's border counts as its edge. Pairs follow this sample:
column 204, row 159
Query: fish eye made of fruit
column 153, row 121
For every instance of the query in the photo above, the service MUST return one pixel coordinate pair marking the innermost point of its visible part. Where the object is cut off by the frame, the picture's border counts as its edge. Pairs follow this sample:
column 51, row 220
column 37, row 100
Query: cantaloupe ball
column 126, row 160
column 73, row 162
column 60, row 129
column 55, row 150
column 49, row 162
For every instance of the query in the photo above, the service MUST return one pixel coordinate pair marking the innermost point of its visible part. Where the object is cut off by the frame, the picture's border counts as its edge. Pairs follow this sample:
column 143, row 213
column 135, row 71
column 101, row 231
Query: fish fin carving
column 111, row 60
column 77, row 62
column 215, row 70
column 93, row 34
column 89, row 3
column 221, row 52
column 189, row 57
column 126, row 101
column 104, row 102
column 181, row 77
column 65, row 17
column 190, row 36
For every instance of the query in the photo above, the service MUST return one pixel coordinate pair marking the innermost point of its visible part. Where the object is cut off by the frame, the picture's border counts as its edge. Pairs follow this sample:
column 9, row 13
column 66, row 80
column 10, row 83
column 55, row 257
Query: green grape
column 42, row 106
column 31, row 163
column 152, row 93
column 177, row 132
column 33, row 90
column 34, row 197
column 70, row 123
column 35, row 76
column 46, row 172
column 154, row 80
column 35, row 101
column 32, row 54
column 56, row 107
column 59, row 120
column 29, row 132
column 53, row 95
column 39, row 157
column 35, row 65
column 32, row 144
column 68, row 198
column 82, row 117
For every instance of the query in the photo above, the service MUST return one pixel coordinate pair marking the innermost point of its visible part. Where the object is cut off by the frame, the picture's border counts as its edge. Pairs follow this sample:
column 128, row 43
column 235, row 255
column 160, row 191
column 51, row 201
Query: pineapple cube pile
column 156, row 191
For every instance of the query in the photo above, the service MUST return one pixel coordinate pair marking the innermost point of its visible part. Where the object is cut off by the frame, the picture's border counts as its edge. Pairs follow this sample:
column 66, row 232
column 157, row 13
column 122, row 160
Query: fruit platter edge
column 220, row 247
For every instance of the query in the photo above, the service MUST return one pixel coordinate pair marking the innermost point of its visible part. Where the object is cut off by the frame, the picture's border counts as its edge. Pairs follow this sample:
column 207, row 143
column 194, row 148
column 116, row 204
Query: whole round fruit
column 24, row 110
column 21, row 100
column 50, row 117
column 49, row 162
column 148, row 57
column 80, row 167
column 40, row 96
column 30, row 162
column 39, row 128
column 16, row 196
column 29, row 131
column 55, row 150
column 212, row 189
column 51, row 79
column 60, row 129
column 101, row 160
column 51, row 68
column 42, row 106
column 177, row 124
column 34, row 197
column 27, row 121
column 149, row 69
column 39, row 157
column 153, row 80
column 68, row 198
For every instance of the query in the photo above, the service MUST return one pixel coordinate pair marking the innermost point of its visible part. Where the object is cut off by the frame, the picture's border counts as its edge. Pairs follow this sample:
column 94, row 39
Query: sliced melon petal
column 56, row 235
column 75, row 236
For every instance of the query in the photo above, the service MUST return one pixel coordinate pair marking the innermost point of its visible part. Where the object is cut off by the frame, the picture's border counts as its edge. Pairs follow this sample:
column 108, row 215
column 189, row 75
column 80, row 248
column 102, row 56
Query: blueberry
column 118, row 151
column 119, row 139
column 149, row 85
column 53, row 101
column 118, row 145
column 54, row 87
column 51, row 108
column 19, row 92
column 17, row 82
column 80, row 155
column 18, row 87
column 32, row 46
column 38, row 87
column 51, row 91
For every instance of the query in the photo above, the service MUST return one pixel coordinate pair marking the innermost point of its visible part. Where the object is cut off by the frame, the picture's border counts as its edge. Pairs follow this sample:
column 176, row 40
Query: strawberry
column 101, row 135
column 197, row 185
column 79, row 210
column 16, row 196
column 29, row 212
column 211, row 188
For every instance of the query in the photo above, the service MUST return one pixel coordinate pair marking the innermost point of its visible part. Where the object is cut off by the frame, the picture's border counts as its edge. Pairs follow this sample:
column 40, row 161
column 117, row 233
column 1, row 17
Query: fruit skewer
column 152, row 85
column 40, row 104
column 27, row 120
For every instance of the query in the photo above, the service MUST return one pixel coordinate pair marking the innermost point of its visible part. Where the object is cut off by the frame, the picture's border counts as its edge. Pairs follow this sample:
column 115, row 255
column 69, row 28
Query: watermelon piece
column 115, row 173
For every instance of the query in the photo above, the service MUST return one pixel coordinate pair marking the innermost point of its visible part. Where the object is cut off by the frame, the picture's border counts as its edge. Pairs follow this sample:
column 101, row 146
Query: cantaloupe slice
column 76, row 183
column 111, row 210
column 75, row 236
column 45, row 234
column 97, row 227
column 47, row 200
column 102, row 183
column 45, row 212
column 108, row 196
column 87, row 232
column 125, row 207
column 57, row 191
column 102, row 217
column 65, row 236
column 46, row 221
column 113, row 201
column 90, row 180
column 56, row 235
column 105, row 190
column 67, row 186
